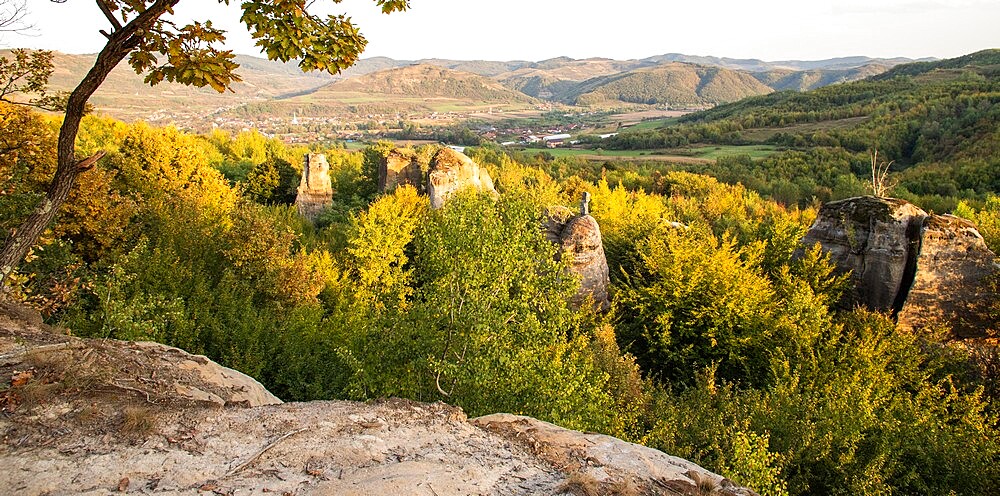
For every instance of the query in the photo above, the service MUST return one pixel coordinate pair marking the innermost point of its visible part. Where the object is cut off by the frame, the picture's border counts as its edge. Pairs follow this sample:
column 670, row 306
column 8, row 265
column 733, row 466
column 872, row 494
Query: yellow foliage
column 376, row 247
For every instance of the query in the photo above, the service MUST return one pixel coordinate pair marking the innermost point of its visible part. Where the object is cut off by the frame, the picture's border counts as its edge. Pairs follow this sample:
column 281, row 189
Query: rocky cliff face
column 579, row 239
column 873, row 238
column 920, row 268
column 315, row 188
column 400, row 167
column 450, row 172
column 95, row 417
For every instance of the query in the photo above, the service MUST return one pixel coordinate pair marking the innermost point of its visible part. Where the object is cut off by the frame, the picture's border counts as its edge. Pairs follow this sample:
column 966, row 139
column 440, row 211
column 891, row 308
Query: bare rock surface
column 451, row 172
column 401, row 167
column 611, row 465
column 315, row 189
column 95, row 417
column 952, row 280
column 876, row 240
column 579, row 240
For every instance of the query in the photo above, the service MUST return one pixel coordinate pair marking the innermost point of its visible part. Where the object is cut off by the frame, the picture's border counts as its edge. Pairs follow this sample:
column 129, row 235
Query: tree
column 190, row 55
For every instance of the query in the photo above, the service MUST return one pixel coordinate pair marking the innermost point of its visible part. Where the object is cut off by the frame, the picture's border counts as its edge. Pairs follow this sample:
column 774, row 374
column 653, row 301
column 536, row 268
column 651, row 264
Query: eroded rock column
column 315, row 189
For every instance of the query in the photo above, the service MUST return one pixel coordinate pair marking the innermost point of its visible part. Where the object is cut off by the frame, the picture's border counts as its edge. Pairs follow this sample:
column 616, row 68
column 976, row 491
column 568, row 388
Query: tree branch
column 89, row 162
column 103, row 4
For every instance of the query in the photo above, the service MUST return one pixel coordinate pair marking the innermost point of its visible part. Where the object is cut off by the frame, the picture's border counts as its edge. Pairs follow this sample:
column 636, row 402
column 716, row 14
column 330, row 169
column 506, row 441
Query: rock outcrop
column 579, row 240
column 146, row 370
column 451, row 172
column 922, row 269
column 95, row 417
column 609, row 464
column 315, row 189
column 876, row 239
column 952, row 280
column 400, row 167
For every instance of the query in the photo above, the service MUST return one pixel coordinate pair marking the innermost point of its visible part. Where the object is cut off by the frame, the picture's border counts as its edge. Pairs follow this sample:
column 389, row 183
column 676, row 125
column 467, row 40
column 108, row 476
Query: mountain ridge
column 558, row 79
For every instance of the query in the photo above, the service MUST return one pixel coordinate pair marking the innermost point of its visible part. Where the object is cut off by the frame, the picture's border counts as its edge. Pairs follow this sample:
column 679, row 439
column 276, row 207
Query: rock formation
column 919, row 268
column 399, row 168
column 579, row 238
column 108, row 416
column 952, row 280
column 450, row 172
column 315, row 189
column 873, row 238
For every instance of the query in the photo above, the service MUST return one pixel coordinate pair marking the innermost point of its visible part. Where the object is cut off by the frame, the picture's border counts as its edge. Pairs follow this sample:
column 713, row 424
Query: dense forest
column 936, row 122
column 720, row 346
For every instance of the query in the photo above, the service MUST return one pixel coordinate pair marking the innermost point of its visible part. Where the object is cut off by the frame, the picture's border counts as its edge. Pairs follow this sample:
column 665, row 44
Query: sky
column 621, row 29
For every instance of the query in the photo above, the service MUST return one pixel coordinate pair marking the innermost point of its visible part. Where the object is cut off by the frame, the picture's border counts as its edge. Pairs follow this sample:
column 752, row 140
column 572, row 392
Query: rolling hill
column 810, row 79
column 421, row 89
column 983, row 62
column 425, row 81
column 550, row 78
column 673, row 84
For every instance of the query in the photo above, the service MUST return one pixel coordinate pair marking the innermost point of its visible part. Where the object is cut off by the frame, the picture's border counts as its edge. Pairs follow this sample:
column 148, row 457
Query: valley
column 380, row 96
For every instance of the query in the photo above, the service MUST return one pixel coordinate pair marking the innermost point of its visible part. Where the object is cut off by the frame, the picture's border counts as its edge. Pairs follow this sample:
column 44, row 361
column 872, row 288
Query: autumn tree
column 159, row 48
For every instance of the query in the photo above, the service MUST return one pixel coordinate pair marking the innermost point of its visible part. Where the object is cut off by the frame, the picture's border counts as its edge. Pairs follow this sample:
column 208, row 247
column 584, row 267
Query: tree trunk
column 120, row 43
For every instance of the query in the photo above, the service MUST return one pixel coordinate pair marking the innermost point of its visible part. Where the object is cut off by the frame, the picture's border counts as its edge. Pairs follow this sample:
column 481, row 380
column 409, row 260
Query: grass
column 138, row 421
column 764, row 133
column 714, row 152
column 355, row 145
column 574, row 152
column 654, row 124
column 701, row 153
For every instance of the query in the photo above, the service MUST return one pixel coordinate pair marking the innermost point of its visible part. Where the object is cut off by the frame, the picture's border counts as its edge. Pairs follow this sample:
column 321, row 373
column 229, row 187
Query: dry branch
column 264, row 450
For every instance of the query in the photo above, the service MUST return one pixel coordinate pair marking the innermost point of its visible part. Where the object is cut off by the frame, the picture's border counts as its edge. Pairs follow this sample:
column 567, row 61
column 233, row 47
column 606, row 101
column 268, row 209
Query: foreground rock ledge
column 96, row 417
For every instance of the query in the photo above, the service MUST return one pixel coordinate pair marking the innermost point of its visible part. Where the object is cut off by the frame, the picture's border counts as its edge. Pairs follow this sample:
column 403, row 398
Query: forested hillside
column 720, row 347
column 674, row 85
column 936, row 123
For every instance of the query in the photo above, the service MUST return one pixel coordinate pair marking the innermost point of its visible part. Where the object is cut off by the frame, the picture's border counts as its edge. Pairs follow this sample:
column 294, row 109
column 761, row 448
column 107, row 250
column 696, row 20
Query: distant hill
column 787, row 79
column 757, row 65
column 553, row 77
column 984, row 61
column 270, row 86
column 425, row 81
column 489, row 68
column 673, row 84
column 125, row 95
column 404, row 92
column 559, row 78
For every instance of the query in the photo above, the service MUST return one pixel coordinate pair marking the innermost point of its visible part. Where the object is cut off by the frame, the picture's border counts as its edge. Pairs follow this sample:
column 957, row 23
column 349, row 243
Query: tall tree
column 143, row 31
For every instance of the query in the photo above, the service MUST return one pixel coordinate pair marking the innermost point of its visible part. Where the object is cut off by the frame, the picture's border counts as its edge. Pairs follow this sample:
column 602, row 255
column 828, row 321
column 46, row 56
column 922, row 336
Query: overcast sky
column 621, row 29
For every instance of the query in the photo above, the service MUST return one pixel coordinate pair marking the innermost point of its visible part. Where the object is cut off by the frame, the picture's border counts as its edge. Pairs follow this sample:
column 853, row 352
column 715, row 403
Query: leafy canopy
column 190, row 54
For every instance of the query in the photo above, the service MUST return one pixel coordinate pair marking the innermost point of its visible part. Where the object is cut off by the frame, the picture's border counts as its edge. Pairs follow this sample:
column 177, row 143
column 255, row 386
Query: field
column 765, row 133
column 702, row 154
column 716, row 151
